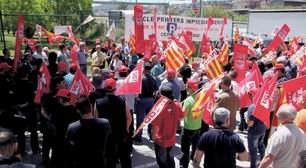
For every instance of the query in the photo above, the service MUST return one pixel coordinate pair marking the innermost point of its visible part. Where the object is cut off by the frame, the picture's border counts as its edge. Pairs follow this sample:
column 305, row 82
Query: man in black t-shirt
column 220, row 145
column 114, row 109
column 88, row 138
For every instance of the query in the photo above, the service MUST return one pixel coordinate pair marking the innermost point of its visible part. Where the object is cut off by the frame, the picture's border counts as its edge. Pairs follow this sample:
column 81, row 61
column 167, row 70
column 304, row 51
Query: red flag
column 210, row 22
column 236, row 35
column 39, row 91
column 263, row 102
column 240, row 60
column 148, row 48
column 205, row 46
column 294, row 46
column 223, row 54
column 222, row 27
column 132, row 84
column 159, row 107
column 139, row 28
column 31, row 43
column 208, row 110
column 251, row 81
column 43, row 83
column 187, row 44
column 19, row 37
column 55, row 39
column 279, row 38
column 71, row 36
column 80, row 84
column 294, row 91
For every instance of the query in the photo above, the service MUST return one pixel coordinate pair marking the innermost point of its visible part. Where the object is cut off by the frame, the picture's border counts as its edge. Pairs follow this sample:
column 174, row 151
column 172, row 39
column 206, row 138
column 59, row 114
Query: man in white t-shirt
column 39, row 54
column 286, row 143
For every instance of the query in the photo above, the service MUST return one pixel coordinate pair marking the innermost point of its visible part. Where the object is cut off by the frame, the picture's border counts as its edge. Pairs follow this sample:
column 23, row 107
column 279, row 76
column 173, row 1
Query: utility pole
column 81, row 20
column 201, row 8
column 2, row 30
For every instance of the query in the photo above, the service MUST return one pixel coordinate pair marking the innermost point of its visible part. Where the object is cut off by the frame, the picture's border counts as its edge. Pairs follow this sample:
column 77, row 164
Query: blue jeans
column 164, row 156
column 142, row 108
column 256, row 142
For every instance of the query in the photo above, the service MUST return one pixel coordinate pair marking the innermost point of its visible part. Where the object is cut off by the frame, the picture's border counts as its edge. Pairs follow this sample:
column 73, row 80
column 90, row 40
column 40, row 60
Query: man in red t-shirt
column 164, row 130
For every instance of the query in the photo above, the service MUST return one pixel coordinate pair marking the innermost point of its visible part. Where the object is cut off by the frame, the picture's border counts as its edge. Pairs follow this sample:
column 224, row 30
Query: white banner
column 178, row 24
column 61, row 29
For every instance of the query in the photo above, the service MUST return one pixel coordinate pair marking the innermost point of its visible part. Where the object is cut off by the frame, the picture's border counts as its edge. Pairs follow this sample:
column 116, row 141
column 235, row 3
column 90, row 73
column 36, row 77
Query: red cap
column 73, row 66
column 192, row 84
column 252, row 91
column 171, row 73
column 162, row 58
column 195, row 64
column 4, row 65
column 279, row 66
column 110, row 84
column 63, row 93
column 62, row 67
column 123, row 69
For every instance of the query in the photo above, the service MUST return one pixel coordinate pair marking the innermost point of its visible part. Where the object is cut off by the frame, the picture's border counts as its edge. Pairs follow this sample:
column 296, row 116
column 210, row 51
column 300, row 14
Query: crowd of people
column 97, row 130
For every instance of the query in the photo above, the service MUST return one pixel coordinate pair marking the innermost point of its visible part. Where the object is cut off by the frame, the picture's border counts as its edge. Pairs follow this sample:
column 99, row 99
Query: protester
column 229, row 100
column 300, row 119
column 39, row 54
column 6, row 57
column 192, row 126
column 115, row 64
column 99, row 92
column 278, row 152
column 88, row 138
column 62, row 55
column 256, row 132
column 164, row 130
column 145, row 100
column 157, row 69
column 220, row 145
column 170, row 82
column 69, row 76
column 98, row 58
column 114, row 109
column 82, row 57
column 8, row 147
column 52, row 66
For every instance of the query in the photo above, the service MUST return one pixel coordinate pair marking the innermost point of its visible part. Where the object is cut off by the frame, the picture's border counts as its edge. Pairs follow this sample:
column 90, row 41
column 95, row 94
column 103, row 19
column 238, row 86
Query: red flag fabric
column 236, row 35
column 187, row 44
column 80, row 84
column 132, row 84
column 251, row 81
column 205, row 46
column 263, row 102
column 31, row 43
column 156, row 110
column 39, row 91
column 210, row 22
column 240, row 60
column 294, row 91
column 294, row 46
column 208, row 110
column 279, row 38
column 43, row 83
column 71, row 36
column 222, row 27
column 139, row 28
column 174, row 56
column 148, row 48
column 19, row 37
column 55, row 39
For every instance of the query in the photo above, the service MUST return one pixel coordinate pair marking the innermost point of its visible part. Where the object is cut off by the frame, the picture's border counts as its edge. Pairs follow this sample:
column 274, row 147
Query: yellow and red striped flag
column 214, row 69
column 132, row 43
column 236, row 36
column 223, row 55
column 174, row 56
column 202, row 98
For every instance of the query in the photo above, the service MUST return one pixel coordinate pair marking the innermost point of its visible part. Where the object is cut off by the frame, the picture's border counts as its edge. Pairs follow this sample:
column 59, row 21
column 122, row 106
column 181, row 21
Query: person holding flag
column 164, row 130
column 192, row 126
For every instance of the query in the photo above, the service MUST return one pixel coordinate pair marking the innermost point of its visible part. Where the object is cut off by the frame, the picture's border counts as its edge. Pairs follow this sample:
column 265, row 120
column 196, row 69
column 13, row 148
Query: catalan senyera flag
column 132, row 43
column 201, row 99
column 214, row 68
column 174, row 56
column 294, row 46
column 223, row 55
column 297, row 57
column 236, row 35
column 187, row 44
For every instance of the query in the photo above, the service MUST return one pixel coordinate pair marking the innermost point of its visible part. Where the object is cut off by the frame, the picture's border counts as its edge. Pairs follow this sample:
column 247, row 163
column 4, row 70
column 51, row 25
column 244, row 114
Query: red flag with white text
column 80, row 84
column 156, row 110
column 263, row 101
column 43, row 83
column 253, row 80
column 187, row 44
column 279, row 38
column 132, row 84
column 240, row 60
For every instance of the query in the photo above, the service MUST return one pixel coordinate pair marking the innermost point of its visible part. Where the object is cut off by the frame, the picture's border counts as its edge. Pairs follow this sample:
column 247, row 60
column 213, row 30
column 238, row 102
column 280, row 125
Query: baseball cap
column 63, row 93
column 5, row 65
column 221, row 115
column 192, row 84
column 171, row 73
column 110, row 84
column 123, row 69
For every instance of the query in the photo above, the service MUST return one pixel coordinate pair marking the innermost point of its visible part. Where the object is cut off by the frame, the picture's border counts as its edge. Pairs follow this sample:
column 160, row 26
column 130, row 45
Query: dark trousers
column 143, row 107
column 84, row 68
column 31, row 123
column 164, row 156
column 119, row 151
column 243, row 124
column 256, row 142
column 189, row 137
